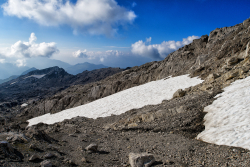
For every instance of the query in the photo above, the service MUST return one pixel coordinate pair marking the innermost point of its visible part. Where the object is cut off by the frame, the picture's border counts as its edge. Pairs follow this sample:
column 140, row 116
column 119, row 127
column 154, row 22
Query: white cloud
column 21, row 50
column 2, row 61
column 113, row 53
column 98, row 55
column 92, row 16
column 80, row 54
column 159, row 51
column 20, row 62
column 102, row 59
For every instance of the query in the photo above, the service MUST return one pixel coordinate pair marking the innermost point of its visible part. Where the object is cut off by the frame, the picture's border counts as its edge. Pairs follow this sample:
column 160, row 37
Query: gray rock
column 211, row 77
column 232, row 61
column 46, row 163
column 141, row 160
column 7, row 146
column 17, row 137
column 49, row 155
column 92, row 147
column 231, row 75
column 34, row 157
column 179, row 93
column 83, row 159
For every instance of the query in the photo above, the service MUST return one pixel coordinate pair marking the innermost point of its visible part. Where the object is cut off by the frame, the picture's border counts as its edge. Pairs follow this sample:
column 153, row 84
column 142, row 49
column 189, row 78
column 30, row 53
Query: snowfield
column 228, row 119
column 151, row 93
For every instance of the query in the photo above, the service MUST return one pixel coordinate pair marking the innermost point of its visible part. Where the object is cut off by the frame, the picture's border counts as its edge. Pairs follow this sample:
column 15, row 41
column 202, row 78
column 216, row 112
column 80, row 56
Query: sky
column 116, row 33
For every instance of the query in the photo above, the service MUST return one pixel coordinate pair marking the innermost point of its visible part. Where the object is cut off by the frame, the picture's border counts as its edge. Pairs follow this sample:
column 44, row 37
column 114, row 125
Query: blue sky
column 110, row 32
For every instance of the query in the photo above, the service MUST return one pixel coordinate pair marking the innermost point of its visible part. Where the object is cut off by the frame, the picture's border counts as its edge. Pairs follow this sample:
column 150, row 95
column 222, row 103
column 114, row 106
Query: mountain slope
column 40, row 83
column 8, row 79
column 166, row 130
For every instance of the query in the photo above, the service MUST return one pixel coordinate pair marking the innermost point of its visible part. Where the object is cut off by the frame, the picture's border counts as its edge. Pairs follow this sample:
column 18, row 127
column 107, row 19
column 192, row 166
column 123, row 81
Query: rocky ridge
column 167, row 131
column 39, row 84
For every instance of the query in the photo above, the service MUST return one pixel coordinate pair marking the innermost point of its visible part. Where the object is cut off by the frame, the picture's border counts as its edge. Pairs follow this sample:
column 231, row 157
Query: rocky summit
column 154, row 135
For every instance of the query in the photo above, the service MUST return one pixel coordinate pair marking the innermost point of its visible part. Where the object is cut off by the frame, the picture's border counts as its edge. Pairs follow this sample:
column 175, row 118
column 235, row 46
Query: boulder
column 179, row 93
column 34, row 157
column 46, row 163
column 141, row 160
column 17, row 137
column 132, row 125
column 92, row 147
column 148, row 117
column 49, row 155
column 232, row 61
column 231, row 75
column 4, row 145
column 211, row 77
column 246, row 23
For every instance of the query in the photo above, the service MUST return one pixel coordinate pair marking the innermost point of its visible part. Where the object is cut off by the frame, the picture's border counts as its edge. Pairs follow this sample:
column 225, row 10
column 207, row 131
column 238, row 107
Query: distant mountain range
column 9, row 71
column 16, row 76
column 79, row 68
column 37, row 84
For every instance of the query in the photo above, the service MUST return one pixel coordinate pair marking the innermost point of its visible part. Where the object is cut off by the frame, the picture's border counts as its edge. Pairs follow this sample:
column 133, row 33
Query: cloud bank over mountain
column 159, row 51
column 94, row 17
column 22, row 50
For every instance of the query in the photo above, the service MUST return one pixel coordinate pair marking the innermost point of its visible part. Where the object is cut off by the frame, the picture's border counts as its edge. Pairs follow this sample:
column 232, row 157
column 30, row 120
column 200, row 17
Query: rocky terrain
column 166, row 132
column 39, row 84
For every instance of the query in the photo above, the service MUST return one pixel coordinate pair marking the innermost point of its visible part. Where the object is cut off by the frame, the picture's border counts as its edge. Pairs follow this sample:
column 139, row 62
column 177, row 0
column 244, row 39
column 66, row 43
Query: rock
column 68, row 161
column 148, row 117
column 232, row 61
column 211, row 77
column 83, row 159
column 180, row 109
column 231, row 75
column 6, row 146
column 132, row 125
column 247, row 53
column 33, row 146
column 92, row 147
column 160, row 113
column 246, row 23
column 179, row 93
column 2, row 121
column 46, row 163
column 17, row 137
column 141, row 160
column 34, row 157
column 244, row 70
column 7, row 151
column 38, row 135
column 49, row 155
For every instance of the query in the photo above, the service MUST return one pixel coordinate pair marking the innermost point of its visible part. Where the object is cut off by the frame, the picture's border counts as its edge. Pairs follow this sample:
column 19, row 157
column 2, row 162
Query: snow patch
column 151, row 93
column 24, row 105
column 35, row 76
column 228, row 119
column 12, row 83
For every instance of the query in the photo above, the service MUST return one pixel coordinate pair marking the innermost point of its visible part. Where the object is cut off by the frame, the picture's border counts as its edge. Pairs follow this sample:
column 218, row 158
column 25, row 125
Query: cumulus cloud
column 92, row 16
column 21, row 50
column 159, row 51
column 20, row 62
column 80, row 54
column 98, row 55
column 113, row 53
